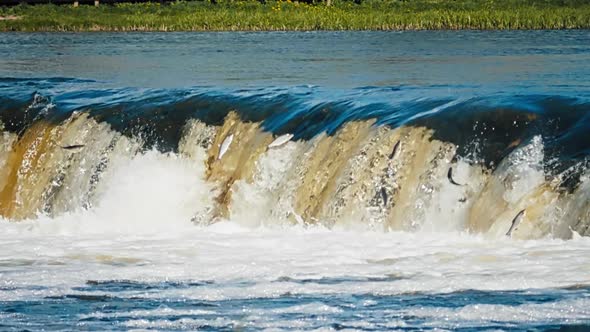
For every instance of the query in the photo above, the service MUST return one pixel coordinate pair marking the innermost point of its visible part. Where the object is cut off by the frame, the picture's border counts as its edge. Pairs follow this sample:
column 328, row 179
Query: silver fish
column 281, row 140
column 298, row 219
column 395, row 150
column 225, row 145
column 384, row 196
column 515, row 222
column 450, row 177
column 73, row 147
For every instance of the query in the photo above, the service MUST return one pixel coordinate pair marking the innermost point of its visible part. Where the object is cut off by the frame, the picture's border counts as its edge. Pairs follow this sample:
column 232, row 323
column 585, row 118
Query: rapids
column 262, row 182
column 434, row 171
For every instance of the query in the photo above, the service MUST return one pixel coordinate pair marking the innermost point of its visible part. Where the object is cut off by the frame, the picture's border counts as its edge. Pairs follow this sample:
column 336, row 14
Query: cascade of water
column 363, row 175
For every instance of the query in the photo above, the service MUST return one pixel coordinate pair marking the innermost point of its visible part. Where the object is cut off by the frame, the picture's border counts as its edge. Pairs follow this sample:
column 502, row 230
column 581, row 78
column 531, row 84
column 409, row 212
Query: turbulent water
column 410, row 181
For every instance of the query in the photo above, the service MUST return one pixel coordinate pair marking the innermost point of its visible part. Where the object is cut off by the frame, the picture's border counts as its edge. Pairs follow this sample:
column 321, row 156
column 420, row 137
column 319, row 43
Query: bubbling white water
column 148, row 193
column 143, row 221
column 141, row 231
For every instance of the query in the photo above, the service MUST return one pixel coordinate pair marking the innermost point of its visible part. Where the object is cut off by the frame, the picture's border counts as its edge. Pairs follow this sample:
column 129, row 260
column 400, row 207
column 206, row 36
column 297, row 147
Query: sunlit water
column 135, row 261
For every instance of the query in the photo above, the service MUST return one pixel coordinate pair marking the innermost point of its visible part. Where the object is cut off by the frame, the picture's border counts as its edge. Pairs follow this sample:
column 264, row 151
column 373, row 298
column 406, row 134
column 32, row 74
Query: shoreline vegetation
column 289, row 15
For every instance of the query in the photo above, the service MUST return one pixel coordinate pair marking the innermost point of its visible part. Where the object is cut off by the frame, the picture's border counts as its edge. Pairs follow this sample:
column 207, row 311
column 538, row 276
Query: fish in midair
column 298, row 219
column 450, row 177
column 515, row 222
column 281, row 140
column 73, row 147
column 395, row 150
column 225, row 145
column 384, row 196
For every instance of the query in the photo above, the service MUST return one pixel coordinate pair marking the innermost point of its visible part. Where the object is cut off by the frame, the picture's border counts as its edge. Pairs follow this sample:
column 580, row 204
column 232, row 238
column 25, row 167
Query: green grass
column 287, row 15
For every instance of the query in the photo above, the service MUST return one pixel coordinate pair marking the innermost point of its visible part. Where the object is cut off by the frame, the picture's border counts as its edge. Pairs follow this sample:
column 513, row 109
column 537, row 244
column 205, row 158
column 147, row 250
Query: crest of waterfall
column 362, row 175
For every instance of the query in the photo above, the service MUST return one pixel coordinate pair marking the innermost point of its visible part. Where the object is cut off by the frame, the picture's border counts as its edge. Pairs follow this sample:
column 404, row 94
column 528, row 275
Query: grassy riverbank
column 288, row 15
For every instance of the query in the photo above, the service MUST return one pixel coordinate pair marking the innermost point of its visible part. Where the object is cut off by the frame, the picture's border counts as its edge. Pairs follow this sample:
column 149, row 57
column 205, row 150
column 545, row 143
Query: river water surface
column 295, row 181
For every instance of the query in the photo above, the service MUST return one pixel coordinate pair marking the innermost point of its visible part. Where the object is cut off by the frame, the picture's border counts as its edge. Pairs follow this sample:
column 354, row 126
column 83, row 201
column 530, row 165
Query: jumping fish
column 298, row 218
column 450, row 177
column 281, row 140
column 394, row 151
column 384, row 196
column 73, row 147
column 225, row 145
column 515, row 222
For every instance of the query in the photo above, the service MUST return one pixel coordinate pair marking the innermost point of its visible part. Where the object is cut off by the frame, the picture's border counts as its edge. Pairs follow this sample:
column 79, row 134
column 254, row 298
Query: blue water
column 97, row 313
column 492, row 88
column 552, row 62
column 307, row 82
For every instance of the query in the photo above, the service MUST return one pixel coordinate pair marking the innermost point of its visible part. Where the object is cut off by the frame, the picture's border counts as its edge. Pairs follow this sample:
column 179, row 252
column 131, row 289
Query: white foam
column 182, row 323
column 150, row 193
column 148, row 313
column 141, row 231
column 571, row 311
column 311, row 308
